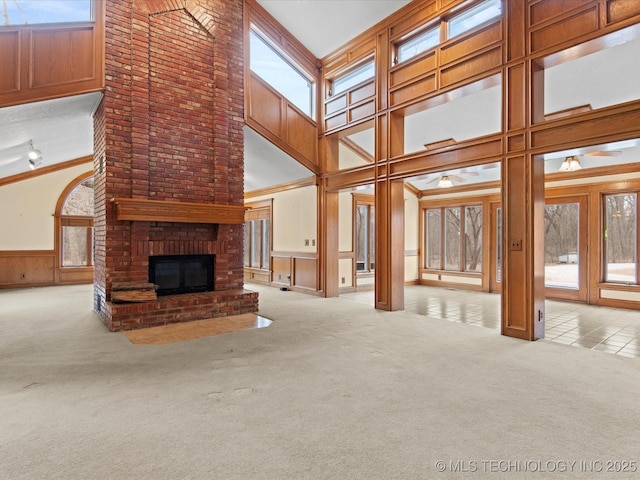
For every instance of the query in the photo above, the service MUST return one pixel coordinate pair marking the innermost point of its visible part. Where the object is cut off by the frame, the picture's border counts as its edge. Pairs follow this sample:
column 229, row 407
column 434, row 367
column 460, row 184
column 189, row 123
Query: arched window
column 76, row 222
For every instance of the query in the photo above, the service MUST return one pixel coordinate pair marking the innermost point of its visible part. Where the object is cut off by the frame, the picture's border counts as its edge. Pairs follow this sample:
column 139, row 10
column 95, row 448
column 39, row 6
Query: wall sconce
column 445, row 182
column 570, row 164
column 35, row 156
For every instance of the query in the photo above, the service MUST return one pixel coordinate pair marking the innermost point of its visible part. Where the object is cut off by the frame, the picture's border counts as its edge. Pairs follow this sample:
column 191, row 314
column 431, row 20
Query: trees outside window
column 76, row 220
column 620, row 238
column 365, row 238
column 453, row 238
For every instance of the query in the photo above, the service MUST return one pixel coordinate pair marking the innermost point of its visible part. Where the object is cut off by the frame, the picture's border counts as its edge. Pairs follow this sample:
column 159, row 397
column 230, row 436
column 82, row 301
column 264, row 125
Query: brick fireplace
column 168, row 156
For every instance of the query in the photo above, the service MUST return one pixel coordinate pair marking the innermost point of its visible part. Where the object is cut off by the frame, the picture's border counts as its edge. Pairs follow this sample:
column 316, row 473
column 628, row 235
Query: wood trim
column 357, row 149
column 412, row 189
column 283, row 187
column 136, row 209
column 460, row 188
column 45, row 170
column 283, row 254
column 568, row 112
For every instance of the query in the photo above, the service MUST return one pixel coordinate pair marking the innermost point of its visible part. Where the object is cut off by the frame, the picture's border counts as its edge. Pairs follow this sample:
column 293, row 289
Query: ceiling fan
column 447, row 180
column 572, row 162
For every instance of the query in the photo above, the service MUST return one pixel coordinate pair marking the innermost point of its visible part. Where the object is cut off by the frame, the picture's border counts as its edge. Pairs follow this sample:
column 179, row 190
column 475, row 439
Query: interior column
column 389, row 268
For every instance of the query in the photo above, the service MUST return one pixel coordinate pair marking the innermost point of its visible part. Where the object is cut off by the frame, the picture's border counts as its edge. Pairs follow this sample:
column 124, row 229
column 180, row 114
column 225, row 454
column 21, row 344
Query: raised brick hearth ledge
column 178, row 308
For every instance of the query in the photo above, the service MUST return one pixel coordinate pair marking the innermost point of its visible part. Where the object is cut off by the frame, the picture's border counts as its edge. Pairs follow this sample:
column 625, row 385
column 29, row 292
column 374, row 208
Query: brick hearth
column 169, row 155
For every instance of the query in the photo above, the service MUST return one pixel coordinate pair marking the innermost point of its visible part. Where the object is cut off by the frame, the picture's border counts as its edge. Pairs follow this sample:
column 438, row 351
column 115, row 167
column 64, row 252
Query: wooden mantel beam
column 141, row 210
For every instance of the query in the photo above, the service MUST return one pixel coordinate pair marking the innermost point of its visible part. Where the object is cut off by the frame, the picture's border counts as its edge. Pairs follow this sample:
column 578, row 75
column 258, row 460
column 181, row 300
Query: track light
column 570, row 164
column 445, row 182
column 33, row 153
column 34, row 156
column 35, row 162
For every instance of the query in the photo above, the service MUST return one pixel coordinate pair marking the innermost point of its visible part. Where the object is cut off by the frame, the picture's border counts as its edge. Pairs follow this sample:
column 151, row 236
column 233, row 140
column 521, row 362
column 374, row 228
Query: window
column 353, row 78
column 417, row 44
column 76, row 220
column 257, row 250
column 29, row 12
column 434, row 234
column 453, row 238
column 471, row 18
column 365, row 237
column 473, row 238
column 561, row 245
column 257, row 236
column 282, row 74
column 620, row 238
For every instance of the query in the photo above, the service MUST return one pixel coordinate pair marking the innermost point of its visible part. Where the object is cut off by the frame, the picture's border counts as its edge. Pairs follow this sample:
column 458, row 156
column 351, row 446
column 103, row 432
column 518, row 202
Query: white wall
column 26, row 215
column 295, row 219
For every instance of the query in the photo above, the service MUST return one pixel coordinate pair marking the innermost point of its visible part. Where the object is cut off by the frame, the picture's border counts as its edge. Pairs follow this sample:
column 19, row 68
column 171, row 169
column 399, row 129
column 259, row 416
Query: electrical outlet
column 344, row 280
column 306, row 242
column 313, row 242
column 516, row 244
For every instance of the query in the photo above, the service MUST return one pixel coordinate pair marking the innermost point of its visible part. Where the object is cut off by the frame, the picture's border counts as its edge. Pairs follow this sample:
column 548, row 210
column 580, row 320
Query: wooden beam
column 142, row 210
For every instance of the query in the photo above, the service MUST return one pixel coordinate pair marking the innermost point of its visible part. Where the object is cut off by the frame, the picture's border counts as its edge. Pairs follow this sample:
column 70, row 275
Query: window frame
column 368, row 202
column 604, row 237
column 64, row 220
column 462, row 257
column 362, row 65
column 294, row 65
column 258, row 212
column 422, row 31
column 472, row 10
column 27, row 23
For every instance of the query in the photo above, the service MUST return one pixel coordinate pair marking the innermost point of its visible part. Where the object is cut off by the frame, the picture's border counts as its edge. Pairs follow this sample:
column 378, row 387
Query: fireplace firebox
column 176, row 274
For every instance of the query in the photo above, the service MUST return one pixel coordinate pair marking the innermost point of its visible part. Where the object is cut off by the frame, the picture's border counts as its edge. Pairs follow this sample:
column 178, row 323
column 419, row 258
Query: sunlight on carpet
column 181, row 332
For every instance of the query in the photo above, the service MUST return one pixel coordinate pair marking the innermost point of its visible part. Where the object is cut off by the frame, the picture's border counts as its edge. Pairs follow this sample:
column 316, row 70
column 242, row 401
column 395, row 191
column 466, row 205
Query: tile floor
column 611, row 330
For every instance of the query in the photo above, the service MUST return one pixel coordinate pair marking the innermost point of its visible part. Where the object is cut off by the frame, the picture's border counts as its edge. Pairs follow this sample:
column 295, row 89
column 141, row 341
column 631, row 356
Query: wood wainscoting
column 37, row 268
column 295, row 270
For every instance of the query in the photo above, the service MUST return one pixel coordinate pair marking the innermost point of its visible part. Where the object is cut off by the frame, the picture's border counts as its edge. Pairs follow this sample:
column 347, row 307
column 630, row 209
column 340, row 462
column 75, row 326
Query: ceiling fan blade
column 610, row 153
column 433, row 181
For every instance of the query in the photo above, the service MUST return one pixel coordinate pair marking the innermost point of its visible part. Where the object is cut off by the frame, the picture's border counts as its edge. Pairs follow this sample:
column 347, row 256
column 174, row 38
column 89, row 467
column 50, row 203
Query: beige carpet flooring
column 331, row 390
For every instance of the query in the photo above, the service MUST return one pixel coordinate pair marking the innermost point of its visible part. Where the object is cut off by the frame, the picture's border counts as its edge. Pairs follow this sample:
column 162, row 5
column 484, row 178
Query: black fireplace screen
column 174, row 274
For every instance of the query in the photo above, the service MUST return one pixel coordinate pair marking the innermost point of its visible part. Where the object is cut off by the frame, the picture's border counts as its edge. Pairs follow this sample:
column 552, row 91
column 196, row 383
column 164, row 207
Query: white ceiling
column 62, row 129
column 325, row 25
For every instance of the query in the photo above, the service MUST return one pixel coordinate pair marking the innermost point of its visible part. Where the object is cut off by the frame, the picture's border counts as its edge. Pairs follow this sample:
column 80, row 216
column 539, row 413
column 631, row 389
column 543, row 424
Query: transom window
column 417, row 44
column 471, row 18
column 359, row 75
column 281, row 73
column 29, row 12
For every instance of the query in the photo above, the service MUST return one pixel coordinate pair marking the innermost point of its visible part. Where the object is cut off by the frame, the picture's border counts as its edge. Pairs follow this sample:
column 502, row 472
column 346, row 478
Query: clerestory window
column 281, row 73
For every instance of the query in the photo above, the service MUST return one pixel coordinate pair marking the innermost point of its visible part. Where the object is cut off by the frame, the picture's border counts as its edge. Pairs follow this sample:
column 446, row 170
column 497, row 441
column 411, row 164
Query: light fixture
column 445, row 182
column 570, row 164
column 33, row 153
column 35, row 163
column 34, row 156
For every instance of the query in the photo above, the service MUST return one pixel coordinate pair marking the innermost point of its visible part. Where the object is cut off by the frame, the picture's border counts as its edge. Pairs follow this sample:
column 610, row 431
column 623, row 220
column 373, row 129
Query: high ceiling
column 62, row 128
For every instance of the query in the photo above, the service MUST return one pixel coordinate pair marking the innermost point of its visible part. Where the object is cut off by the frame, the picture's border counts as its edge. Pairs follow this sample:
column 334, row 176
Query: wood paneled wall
column 40, row 62
column 512, row 51
column 269, row 112
column 27, row 268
